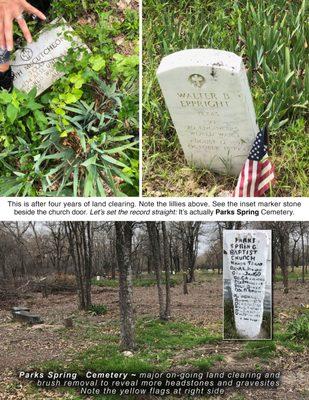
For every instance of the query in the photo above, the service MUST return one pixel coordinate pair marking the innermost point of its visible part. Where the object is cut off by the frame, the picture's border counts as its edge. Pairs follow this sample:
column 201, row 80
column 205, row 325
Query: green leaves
column 12, row 113
column 83, row 162
column 125, row 67
column 5, row 97
column 20, row 113
column 97, row 63
column 275, row 48
column 77, row 139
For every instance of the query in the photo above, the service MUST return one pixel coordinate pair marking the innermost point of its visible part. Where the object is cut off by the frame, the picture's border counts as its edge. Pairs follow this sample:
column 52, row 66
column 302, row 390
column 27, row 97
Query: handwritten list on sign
column 247, row 272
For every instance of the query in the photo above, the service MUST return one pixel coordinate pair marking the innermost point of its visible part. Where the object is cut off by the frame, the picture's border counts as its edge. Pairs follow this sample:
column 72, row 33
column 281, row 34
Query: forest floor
column 191, row 340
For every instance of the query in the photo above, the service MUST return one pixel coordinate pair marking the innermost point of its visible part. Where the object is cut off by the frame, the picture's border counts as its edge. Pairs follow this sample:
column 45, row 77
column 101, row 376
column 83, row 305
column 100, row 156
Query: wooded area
column 36, row 256
column 72, row 273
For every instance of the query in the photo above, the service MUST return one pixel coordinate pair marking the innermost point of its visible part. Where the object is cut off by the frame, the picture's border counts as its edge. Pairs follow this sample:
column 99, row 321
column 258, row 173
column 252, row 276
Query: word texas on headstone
column 34, row 65
column 247, row 283
column 208, row 96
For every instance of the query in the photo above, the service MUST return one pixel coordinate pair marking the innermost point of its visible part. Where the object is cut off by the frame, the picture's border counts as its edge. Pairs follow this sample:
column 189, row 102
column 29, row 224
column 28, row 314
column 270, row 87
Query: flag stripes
column 257, row 172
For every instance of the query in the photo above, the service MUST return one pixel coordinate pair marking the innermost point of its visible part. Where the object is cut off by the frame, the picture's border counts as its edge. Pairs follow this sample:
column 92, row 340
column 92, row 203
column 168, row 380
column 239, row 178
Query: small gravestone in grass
column 34, row 65
column 247, row 284
column 23, row 314
column 15, row 310
column 208, row 96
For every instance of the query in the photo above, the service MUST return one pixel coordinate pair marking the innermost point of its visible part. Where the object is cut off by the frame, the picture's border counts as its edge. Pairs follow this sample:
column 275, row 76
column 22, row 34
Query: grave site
column 150, row 297
column 69, row 126
column 211, row 85
column 208, row 96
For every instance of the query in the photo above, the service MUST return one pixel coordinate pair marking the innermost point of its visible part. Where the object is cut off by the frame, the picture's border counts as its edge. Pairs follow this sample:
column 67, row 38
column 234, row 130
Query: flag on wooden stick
column 257, row 172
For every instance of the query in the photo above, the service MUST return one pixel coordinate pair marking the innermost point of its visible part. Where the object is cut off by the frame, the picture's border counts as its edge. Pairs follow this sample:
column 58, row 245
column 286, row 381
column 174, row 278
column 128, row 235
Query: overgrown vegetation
column 298, row 329
column 98, row 309
column 274, row 51
column 79, row 138
column 260, row 348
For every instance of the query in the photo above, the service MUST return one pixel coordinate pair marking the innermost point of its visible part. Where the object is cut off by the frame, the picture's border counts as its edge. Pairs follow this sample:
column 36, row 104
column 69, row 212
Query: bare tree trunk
column 38, row 245
column 124, row 232
column 301, row 225
column 80, row 237
column 284, row 242
column 167, row 273
column 3, row 266
column 88, row 245
column 191, row 236
column 184, row 266
column 307, row 253
column 185, row 283
column 148, row 265
column 113, row 245
column 154, row 241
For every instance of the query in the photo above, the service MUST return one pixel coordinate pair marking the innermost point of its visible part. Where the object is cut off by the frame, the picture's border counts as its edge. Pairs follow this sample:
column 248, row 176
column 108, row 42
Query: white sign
column 209, row 100
column 247, row 274
column 34, row 65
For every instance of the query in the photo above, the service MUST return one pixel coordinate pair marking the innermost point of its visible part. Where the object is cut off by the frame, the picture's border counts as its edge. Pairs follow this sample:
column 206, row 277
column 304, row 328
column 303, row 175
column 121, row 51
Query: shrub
column 298, row 329
column 79, row 137
column 98, row 309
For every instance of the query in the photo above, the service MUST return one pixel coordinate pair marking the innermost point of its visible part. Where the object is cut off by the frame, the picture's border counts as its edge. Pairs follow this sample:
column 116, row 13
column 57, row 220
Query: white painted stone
column 128, row 353
column 208, row 96
column 34, row 65
column 247, row 268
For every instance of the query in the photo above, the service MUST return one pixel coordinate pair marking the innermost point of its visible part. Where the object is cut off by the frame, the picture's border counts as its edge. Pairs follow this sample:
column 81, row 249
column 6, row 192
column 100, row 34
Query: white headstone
column 247, row 274
column 34, row 65
column 208, row 96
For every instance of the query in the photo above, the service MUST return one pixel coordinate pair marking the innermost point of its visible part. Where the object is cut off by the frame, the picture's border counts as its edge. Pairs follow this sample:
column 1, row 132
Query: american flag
column 257, row 172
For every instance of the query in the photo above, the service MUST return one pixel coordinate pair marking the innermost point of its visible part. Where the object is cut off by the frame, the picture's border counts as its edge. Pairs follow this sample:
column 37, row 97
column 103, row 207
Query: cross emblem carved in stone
column 197, row 80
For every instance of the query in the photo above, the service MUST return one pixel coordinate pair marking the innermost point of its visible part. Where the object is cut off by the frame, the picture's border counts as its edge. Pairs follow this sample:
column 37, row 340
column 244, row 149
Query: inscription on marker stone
column 34, row 65
column 247, row 279
column 208, row 96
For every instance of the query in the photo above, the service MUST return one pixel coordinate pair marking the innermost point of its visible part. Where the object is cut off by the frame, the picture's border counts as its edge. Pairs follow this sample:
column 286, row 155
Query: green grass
column 204, row 364
column 98, row 309
column 296, row 275
column 273, row 50
column 146, row 281
column 163, row 344
column 294, row 337
column 264, row 349
column 157, row 343
column 298, row 329
column 156, row 334
column 284, row 339
column 112, row 283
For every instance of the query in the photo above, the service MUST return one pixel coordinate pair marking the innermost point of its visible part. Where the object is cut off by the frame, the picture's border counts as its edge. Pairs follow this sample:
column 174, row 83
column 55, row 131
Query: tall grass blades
column 272, row 38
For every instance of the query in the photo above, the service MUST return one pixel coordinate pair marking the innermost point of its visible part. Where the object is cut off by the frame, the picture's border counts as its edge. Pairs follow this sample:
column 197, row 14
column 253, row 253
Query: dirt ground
column 23, row 346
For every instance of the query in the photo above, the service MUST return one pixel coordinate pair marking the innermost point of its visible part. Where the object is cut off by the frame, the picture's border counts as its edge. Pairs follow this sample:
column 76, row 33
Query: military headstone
column 34, row 65
column 208, row 96
column 247, row 282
